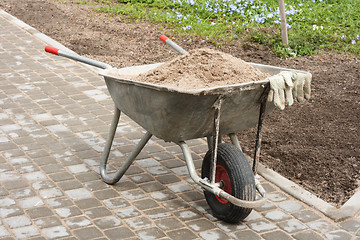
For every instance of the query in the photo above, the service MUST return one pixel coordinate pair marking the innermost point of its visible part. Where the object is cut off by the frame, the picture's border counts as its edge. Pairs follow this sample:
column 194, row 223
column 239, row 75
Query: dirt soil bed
column 315, row 143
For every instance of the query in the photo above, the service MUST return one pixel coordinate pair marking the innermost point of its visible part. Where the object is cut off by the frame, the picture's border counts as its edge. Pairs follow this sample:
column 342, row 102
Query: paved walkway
column 54, row 119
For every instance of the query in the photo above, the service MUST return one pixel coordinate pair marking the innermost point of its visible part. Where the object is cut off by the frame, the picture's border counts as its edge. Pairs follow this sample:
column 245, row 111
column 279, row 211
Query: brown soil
column 315, row 143
column 202, row 68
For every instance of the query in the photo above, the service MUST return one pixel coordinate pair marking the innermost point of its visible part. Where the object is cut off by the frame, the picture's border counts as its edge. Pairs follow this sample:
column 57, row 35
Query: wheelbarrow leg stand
column 105, row 155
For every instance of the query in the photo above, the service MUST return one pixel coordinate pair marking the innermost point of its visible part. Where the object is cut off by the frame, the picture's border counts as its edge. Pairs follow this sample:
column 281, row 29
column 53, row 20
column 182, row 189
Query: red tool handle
column 52, row 50
column 76, row 57
column 169, row 42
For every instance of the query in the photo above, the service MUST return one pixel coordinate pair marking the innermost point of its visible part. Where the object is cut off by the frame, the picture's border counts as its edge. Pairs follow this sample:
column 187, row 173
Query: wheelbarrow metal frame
column 207, row 184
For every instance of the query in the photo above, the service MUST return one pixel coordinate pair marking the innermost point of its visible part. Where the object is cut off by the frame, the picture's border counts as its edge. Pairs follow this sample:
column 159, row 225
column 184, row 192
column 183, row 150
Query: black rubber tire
column 241, row 178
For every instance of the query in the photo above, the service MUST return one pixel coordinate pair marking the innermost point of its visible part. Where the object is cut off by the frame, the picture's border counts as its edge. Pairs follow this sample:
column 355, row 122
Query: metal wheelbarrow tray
column 177, row 115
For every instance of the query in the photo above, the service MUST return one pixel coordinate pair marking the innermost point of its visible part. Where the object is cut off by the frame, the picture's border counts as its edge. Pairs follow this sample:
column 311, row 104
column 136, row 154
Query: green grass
column 313, row 25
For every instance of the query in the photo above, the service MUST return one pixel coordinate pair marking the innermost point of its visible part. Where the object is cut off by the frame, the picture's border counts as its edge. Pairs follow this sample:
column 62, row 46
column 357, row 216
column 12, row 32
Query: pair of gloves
column 287, row 86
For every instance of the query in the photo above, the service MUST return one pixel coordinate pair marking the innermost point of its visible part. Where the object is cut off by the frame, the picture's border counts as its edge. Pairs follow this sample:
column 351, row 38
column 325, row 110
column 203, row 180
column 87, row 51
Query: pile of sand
column 202, row 68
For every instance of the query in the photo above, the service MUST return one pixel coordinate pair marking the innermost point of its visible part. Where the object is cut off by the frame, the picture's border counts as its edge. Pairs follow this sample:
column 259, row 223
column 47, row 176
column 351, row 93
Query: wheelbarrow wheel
column 235, row 173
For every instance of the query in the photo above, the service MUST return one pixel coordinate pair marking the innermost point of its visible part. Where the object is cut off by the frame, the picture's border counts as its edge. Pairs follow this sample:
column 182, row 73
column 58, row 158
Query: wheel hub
column 223, row 178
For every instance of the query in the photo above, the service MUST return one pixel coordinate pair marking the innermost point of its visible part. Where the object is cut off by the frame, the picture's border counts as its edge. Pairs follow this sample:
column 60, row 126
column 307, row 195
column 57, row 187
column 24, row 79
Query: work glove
column 281, row 89
column 302, row 88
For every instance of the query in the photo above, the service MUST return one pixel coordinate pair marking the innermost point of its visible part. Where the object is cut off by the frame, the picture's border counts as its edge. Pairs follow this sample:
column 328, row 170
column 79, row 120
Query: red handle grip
column 52, row 50
column 163, row 38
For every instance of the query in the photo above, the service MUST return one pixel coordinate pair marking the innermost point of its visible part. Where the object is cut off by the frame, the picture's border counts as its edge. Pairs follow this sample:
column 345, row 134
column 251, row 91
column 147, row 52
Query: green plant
column 312, row 24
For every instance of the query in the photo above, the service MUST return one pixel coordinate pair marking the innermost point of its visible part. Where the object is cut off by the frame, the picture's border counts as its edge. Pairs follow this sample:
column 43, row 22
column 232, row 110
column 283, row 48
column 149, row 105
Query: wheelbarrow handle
column 169, row 42
column 75, row 57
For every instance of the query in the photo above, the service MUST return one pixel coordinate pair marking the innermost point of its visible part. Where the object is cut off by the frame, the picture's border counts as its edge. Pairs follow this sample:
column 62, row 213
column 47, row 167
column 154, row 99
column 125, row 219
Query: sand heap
column 202, row 68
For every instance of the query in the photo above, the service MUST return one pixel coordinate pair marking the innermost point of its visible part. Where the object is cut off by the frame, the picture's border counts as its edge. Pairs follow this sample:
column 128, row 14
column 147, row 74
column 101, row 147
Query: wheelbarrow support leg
column 107, row 148
column 258, row 134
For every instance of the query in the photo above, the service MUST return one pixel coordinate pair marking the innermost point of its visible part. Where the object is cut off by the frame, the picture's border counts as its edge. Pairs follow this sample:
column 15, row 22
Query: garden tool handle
column 169, row 42
column 75, row 57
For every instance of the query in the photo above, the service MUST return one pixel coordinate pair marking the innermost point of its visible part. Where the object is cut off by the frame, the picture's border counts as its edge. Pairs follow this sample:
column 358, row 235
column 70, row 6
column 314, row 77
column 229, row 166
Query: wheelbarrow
column 177, row 115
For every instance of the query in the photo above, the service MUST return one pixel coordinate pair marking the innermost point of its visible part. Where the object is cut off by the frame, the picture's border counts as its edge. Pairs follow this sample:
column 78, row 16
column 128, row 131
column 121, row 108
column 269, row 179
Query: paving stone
column 181, row 171
column 23, row 193
column 116, row 203
column 79, row 168
column 4, row 232
column 150, row 233
column 157, row 213
column 201, row 206
column 50, row 193
column 173, row 163
column 87, row 233
column 245, row 235
column 152, row 187
column 17, row 221
column 338, row 235
column 150, row 162
column 292, row 226
column 277, row 215
column 39, row 212
column 47, row 222
column 276, row 235
column 134, row 194
column 69, row 185
column 31, row 202
column 168, row 179
column 175, row 205
column 78, row 222
column 162, row 196
column 144, row 204
column 142, row 178
column 88, row 203
column 322, row 226
column 127, row 212
column 306, row 216
column 139, row 222
column 6, row 202
column 306, row 235
column 277, row 197
column 27, row 168
column 4, row 192
column 188, row 214
column 230, row 227
column 169, row 223
column 191, row 196
column 290, row 206
column 106, row 194
column 180, row 187
column 200, row 225
column 252, row 216
column 213, row 235
column 59, row 177
column 350, row 225
column 159, row 170
column 25, row 232
column 96, row 185
column 119, row 233
column 87, row 177
column 59, row 202
column 108, row 222
column 52, row 168
column 97, row 212
column 68, row 212
column 6, row 212
column 261, row 226
column 79, row 193
column 13, row 184
column 44, row 184
column 181, row 234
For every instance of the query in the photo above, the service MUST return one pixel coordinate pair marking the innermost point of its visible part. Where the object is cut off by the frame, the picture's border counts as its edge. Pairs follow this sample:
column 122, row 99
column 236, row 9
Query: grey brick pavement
column 54, row 120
